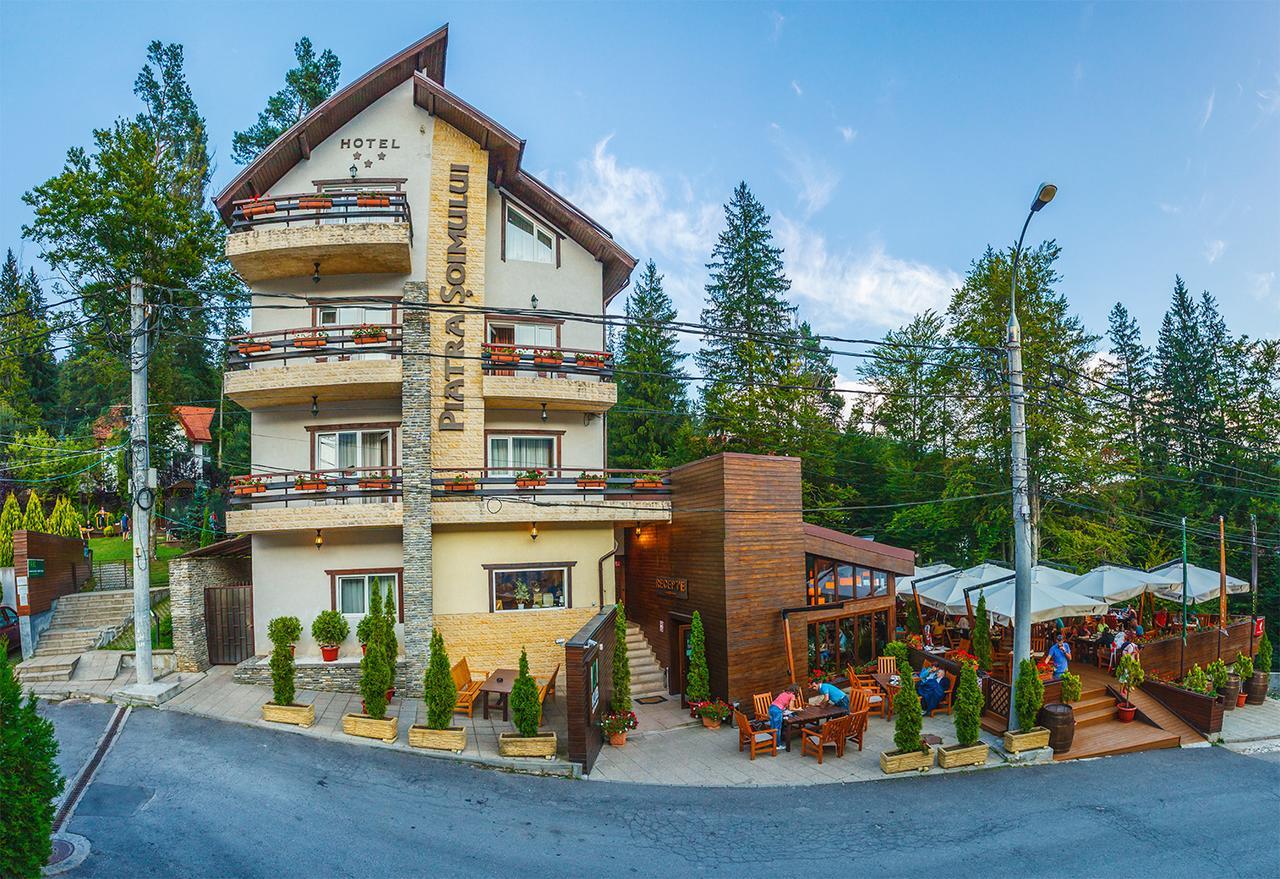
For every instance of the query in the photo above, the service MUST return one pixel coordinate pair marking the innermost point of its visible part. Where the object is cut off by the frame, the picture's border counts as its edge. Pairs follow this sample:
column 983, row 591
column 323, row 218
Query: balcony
column 304, row 499
column 290, row 366
column 347, row 233
column 561, row 379
column 488, row 495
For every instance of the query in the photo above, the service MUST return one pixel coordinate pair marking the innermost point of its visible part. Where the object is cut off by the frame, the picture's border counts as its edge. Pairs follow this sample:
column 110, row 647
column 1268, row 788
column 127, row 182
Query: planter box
column 452, row 739
column 503, row 357
column 254, row 210
column 962, row 755
column 310, row 342
column 372, row 202
column 589, row 362
column 591, row 483
column 375, row 484
column 253, row 348
column 460, row 486
column 530, row 483
column 370, row 340
column 310, row 486
column 548, row 361
column 1203, row 713
column 905, row 761
column 370, row 727
column 512, row 744
column 1036, row 737
column 647, row 483
column 298, row 715
column 256, row 488
column 314, row 204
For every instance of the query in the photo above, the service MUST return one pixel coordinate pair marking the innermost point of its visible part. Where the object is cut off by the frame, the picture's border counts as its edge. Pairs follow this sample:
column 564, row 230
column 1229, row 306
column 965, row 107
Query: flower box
column 503, row 355
column 512, row 744
column 373, row 201
column 310, row 485
column 298, row 715
column 530, row 483
column 645, row 482
column 460, row 485
column 905, row 761
column 369, row 334
column 255, row 210
column 244, row 488
column 1017, row 742
column 370, row 727
column 315, row 204
column 953, row 756
column 590, row 361
column 310, row 341
column 591, row 482
column 453, row 738
column 370, row 340
column 248, row 348
column 374, row 483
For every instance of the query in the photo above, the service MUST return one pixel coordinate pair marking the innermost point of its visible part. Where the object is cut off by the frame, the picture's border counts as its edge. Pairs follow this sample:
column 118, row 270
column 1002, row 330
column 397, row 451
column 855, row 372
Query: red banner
column 1258, row 626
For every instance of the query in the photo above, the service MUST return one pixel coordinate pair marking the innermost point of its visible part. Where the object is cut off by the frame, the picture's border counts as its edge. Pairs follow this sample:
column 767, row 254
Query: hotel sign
column 454, row 290
column 674, row 587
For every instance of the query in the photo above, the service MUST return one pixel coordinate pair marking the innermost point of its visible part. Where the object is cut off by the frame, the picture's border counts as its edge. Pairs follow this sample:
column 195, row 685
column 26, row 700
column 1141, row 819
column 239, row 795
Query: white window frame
column 337, row 598
column 566, row 581
column 360, row 433
column 509, row 438
column 547, row 258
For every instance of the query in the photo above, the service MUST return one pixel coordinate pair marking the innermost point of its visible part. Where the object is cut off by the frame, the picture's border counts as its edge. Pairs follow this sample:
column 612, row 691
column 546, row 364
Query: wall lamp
column 544, row 411
column 315, row 278
column 533, row 530
column 354, row 170
column 315, row 405
column 319, row 539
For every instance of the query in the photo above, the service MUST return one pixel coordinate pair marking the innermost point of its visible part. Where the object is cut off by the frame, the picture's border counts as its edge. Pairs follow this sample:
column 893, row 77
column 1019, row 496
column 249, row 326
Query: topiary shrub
column 284, row 630
column 908, row 718
column 1262, row 662
column 620, row 700
column 912, row 621
column 897, row 650
column 29, row 778
column 330, row 628
column 967, row 706
column 698, row 685
column 372, row 618
column 981, row 638
column 438, row 689
column 375, row 678
column 525, row 710
column 1071, row 687
column 282, row 674
column 389, row 613
column 1029, row 697
column 1244, row 667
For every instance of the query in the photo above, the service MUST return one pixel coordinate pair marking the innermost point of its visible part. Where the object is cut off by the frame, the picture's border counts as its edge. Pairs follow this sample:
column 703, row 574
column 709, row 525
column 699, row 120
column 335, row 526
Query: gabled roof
column 195, row 422
column 290, row 148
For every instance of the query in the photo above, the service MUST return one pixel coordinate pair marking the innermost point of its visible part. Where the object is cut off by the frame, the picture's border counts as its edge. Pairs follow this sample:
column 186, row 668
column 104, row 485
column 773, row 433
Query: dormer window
column 528, row 241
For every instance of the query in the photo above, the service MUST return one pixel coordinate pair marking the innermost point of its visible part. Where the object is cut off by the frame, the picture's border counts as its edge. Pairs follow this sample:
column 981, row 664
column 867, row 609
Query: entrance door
column 682, row 661
column 228, row 619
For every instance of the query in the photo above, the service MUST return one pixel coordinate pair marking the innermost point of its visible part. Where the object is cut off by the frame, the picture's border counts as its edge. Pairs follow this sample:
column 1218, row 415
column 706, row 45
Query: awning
column 1203, row 584
column 1048, row 601
column 1114, row 584
column 945, row 591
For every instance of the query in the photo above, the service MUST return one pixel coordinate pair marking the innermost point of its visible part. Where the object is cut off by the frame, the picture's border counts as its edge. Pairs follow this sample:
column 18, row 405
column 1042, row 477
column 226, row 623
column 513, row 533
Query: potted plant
column 647, row 481
column 547, row 357
column 501, row 353
column 313, row 339
column 966, row 715
column 364, row 631
column 369, row 334
column 713, row 713
column 697, row 688
column 315, row 203
column 615, row 724
column 1028, row 699
column 258, row 206
column 591, row 480
column 620, row 671
column 521, row 593
column 1072, row 687
column 283, row 631
column 591, row 359
column 460, row 482
column 981, row 638
column 376, row 678
column 378, row 480
column 1225, row 683
column 310, row 482
column 526, row 741
column 910, row 751
column 1131, row 675
column 1244, row 668
column 531, row 479
column 249, row 347
column 1256, row 685
column 329, row 629
column 440, row 693
column 244, row 485
column 373, row 200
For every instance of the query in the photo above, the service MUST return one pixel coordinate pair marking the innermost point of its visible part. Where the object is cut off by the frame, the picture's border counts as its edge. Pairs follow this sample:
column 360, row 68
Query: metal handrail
column 343, row 205
column 339, row 339
column 341, row 483
column 570, row 361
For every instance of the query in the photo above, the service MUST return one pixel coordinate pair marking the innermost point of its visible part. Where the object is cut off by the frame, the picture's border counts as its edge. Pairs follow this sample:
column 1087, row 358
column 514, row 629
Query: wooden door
column 228, row 616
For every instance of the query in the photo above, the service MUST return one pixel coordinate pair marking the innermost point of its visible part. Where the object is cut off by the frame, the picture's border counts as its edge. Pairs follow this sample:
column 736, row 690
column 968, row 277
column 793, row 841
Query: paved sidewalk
column 1252, row 723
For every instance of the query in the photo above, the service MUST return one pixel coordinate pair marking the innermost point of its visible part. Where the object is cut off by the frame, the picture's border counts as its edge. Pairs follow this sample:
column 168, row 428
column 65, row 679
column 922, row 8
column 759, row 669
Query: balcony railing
column 313, row 343
column 501, row 359
column 551, row 482
column 314, row 208
column 312, row 487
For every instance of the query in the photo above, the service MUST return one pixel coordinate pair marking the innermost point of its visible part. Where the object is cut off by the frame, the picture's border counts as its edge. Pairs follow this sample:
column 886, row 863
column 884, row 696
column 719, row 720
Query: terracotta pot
column 589, row 362
column 530, row 483
column 293, row 649
column 249, row 489
column 710, row 724
column 314, row 204
column 255, row 210
column 374, row 202
column 370, row 340
column 362, row 648
column 548, row 361
column 329, row 654
column 459, row 486
column 1125, row 711
column 253, row 348
column 1241, row 699
column 647, row 483
column 306, row 342
column 311, row 486
column 618, row 739
column 375, row 484
column 504, row 357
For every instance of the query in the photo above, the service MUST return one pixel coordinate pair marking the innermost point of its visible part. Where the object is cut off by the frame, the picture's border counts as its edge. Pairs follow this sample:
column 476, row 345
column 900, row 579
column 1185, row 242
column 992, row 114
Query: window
column 353, row 591
column 343, row 449
column 529, row 589
column 829, row 581
column 352, row 316
column 528, row 241
column 523, row 335
column 509, row 455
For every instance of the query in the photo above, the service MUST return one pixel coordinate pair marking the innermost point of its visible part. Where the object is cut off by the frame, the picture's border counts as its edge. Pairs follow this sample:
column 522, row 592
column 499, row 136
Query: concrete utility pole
column 1021, row 475
column 140, row 487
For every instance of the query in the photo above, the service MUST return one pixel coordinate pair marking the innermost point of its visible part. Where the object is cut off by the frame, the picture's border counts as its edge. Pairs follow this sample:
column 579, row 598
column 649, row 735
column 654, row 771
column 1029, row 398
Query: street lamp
column 1021, row 504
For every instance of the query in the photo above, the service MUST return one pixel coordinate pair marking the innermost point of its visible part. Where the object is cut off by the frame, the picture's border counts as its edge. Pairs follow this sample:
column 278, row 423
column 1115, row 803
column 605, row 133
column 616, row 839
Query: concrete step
column 43, row 669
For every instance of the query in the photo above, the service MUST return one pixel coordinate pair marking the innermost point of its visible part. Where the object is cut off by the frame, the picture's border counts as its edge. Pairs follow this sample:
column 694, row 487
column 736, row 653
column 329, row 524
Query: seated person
column 788, row 700
column 932, row 687
column 829, row 694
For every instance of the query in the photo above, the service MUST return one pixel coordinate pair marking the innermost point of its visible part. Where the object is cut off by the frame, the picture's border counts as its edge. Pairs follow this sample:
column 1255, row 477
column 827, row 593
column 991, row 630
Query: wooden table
column 815, row 714
column 890, row 690
column 499, row 683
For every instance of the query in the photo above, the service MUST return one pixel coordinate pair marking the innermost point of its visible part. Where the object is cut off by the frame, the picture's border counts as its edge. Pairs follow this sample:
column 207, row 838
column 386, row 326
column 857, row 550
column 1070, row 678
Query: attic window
column 528, row 241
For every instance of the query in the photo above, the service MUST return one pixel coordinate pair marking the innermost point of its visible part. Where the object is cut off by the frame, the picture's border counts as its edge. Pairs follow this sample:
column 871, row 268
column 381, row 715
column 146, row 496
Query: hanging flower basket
column 531, row 479
column 368, row 334
column 502, row 354
column 313, row 340
column 591, row 480
column 315, row 204
column 248, row 348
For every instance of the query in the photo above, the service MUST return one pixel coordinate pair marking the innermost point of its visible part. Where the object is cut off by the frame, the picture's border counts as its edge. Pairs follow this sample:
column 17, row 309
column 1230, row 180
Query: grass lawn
column 161, row 633
column 118, row 549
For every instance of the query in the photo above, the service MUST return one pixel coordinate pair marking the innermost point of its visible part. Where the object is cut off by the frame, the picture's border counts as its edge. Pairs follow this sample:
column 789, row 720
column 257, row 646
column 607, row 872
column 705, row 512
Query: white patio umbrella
column 1048, row 600
column 1114, row 584
column 1203, row 584
column 942, row 592
column 904, row 585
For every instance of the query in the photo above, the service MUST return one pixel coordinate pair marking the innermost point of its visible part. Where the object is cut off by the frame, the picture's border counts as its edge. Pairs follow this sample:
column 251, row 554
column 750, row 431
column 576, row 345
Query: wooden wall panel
column 65, row 567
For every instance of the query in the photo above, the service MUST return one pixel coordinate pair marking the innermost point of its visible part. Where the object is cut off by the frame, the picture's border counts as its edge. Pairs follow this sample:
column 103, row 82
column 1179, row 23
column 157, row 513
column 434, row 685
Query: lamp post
column 1021, row 505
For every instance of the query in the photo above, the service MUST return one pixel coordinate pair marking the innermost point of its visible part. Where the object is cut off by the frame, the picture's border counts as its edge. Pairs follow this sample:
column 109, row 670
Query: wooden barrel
column 1229, row 693
column 1060, row 721
column 1256, row 688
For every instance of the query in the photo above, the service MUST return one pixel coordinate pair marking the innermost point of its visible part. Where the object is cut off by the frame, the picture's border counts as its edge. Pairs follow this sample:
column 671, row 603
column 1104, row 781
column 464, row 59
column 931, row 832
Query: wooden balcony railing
column 551, row 481
column 317, row 343
column 502, row 359
column 310, row 487
column 315, row 208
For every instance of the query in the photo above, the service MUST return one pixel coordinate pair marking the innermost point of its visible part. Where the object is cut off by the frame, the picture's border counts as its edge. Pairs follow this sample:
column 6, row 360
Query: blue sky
column 891, row 143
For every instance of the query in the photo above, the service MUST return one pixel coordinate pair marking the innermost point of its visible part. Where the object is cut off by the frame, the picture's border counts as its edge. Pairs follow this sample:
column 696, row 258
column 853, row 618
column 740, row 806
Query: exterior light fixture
column 319, row 539
column 315, row 406
column 1044, row 195
column 354, row 170
column 533, row 300
column 315, row 278
column 533, row 530
column 544, row 412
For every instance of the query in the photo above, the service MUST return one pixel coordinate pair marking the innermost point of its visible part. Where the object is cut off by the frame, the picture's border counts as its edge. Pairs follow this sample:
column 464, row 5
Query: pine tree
column 981, row 638
column 438, row 689
column 698, row 686
column 526, row 713
column 34, row 519
column 27, row 370
column 1129, row 375
column 652, row 415
column 306, row 87
column 10, row 521
column 1181, row 378
column 620, row 700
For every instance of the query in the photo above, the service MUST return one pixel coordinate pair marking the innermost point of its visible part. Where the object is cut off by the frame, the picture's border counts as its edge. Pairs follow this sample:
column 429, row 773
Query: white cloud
column 838, row 288
column 778, row 21
column 795, row 87
column 1213, row 249
column 1260, row 286
column 1208, row 109
column 1166, row 208
column 1269, row 99
column 814, row 180
column 848, row 132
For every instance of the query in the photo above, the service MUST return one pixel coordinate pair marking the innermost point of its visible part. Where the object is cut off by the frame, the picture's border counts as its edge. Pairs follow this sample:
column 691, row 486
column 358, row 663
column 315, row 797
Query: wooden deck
column 1100, row 734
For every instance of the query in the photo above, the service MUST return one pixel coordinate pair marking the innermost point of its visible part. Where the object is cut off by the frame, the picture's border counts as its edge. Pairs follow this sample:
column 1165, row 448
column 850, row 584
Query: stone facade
column 340, row 248
column 342, row 676
column 273, row 384
column 557, row 508
column 188, row 579
column 415, row 458
column 572, row 394
column 282, row 518
column 493, row 640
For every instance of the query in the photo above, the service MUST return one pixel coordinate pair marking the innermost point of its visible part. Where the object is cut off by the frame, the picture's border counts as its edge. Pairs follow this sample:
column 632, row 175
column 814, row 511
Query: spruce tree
column 1182, row 386
column 34, row 519
column 620, row 700
column 1129, row 378
column 981, row 637
column 698, row 685
column 438, row 689
column 652, row 415
column 306, row 87
column 28, row 372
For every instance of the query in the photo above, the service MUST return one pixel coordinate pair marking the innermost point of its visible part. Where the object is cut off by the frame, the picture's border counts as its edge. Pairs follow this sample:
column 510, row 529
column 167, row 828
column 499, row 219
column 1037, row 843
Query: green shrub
column 330, row 628
column 981, row 638
column 1217, row 671
column 284, row 630
column 1029, row 696
column 912, row 622
column 1244, row 667
column 10, row 521
column 438, row 689
column 698, row 686
column 897, row 650
column 375, row 679
column 1197, row 681
column 967, row 706
column 908, row 718
column 372, row 619
column 1129, row 672
column 1262, row 662
column 1071, row 687
column 29, row 778
column 525, row 710
column 34, row 519
column 282, row 673
column 620, row 700
column 389, row 612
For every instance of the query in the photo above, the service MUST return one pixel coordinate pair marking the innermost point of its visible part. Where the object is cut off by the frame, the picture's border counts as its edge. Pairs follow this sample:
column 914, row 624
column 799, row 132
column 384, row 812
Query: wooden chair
column 945, row 705
column 551, row 682
column 761, row 703
column 886, row 665
column 1039, row 644
column 759, row 740
column 859, row 711
column 542, row 698
column 833, row 732
column 868, row 685
column 468, row 689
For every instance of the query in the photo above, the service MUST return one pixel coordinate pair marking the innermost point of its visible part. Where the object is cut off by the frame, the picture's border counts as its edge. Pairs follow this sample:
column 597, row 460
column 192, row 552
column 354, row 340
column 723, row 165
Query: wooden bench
column 468, row 689
column 547, row 690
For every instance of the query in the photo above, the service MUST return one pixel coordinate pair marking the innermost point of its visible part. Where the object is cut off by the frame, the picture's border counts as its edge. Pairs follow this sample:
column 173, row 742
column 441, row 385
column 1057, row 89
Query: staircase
column 647, row 676
column 1095, row 706
column 80, row 619
column 113, row 575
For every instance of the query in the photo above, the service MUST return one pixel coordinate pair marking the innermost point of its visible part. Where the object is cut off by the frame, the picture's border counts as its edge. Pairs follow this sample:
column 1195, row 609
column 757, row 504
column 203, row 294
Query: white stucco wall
column 582, row 446
column 281, row 440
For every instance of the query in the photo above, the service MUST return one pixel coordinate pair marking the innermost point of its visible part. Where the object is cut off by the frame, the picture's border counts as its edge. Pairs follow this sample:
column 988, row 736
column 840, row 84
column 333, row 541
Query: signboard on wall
column 35, row 567
column 675, row 587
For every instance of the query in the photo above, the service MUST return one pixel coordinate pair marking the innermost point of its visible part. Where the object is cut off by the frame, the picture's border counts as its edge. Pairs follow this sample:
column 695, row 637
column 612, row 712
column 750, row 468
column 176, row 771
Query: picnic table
column 811, row 714
column 499, row 683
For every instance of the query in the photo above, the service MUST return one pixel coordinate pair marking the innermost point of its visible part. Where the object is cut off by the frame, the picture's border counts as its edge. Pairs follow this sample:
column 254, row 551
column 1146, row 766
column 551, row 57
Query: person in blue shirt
column 831, row 694
column 1060, row 655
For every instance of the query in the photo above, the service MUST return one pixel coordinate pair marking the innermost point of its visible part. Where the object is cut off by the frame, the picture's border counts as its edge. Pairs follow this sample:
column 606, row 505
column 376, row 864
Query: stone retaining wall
column 188, row 578
column 342, row 676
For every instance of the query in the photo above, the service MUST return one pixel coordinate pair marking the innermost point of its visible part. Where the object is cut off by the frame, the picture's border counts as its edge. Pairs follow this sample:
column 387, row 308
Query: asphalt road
column 186, row 796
